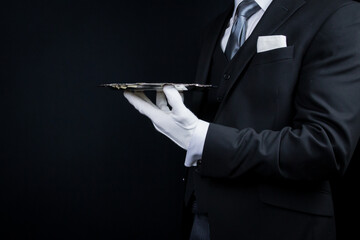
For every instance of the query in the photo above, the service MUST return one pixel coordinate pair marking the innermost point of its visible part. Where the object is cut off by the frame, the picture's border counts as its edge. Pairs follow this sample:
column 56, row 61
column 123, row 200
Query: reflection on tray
column 155, row 86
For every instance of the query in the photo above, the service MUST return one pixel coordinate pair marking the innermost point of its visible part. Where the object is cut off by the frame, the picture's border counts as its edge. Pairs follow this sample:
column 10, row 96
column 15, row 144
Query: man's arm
column 326, row 127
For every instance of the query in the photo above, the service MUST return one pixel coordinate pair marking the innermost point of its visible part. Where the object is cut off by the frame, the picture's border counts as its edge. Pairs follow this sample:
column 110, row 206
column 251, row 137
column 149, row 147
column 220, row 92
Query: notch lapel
column 276, row 14
column 209, row 46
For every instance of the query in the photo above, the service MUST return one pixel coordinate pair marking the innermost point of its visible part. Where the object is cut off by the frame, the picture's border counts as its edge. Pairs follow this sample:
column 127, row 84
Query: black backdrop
column 76, row 161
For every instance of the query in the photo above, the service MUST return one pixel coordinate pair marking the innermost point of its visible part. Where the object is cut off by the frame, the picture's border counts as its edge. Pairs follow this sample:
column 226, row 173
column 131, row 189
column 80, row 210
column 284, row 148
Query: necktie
column 238, row 31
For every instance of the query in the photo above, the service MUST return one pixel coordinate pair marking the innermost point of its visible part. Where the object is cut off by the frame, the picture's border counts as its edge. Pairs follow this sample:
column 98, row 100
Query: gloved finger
column 143, row 106
column 174, row 98
column 182, row 96
column 161, row 101
column 143, row 96
column 136, row 99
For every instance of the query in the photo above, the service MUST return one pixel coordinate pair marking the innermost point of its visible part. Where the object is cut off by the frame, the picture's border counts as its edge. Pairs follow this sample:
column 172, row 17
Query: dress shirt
column 195, row 149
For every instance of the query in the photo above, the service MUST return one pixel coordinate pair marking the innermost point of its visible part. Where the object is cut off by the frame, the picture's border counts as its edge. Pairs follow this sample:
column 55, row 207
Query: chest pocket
column 275, row 55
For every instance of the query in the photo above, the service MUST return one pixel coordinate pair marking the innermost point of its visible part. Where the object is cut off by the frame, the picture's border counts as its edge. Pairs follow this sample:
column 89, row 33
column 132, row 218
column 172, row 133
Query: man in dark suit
column 283, row 120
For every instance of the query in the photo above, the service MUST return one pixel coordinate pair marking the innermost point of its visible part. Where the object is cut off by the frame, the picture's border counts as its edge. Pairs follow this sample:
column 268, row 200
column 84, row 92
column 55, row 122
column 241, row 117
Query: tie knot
column 247, row 8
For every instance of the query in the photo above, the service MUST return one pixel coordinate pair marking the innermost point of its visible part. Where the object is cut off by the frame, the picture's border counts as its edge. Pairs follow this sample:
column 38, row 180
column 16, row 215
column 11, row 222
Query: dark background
column 77, row 161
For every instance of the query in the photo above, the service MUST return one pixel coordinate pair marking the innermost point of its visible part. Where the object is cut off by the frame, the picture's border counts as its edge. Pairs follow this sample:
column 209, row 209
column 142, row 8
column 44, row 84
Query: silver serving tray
column 155, row 86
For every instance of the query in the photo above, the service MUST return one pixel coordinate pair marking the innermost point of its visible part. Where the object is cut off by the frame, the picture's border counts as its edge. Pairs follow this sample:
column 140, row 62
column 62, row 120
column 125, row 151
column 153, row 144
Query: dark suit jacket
column 289, row 121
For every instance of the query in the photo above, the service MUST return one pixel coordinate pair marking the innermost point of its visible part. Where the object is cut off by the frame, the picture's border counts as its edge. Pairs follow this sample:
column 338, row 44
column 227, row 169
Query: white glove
column 178, row 124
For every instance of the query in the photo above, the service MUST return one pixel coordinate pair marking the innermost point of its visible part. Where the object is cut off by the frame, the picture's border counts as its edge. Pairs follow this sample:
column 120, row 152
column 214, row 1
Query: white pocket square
column 267, row 43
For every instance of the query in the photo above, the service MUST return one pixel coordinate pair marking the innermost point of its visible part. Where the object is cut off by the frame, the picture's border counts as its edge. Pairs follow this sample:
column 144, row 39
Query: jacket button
column 219, row 99
column 226, row 76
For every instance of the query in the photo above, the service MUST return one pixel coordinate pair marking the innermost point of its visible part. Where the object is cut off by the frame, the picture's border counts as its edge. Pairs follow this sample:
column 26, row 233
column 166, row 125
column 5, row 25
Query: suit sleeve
column 326, row 128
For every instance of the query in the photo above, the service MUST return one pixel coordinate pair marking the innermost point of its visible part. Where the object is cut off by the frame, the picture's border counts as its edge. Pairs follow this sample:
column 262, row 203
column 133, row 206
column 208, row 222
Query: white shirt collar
column 264, row 4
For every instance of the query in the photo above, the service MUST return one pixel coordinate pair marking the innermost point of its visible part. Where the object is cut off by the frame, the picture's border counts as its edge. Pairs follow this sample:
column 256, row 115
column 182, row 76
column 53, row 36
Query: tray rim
column 143, row 86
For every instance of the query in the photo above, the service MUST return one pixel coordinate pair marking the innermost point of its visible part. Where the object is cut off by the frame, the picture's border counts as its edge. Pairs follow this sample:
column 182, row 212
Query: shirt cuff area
column 196, row 146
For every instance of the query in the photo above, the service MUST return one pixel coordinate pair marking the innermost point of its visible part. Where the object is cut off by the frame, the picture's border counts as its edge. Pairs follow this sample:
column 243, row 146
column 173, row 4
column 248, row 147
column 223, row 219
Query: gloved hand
column 178, row 124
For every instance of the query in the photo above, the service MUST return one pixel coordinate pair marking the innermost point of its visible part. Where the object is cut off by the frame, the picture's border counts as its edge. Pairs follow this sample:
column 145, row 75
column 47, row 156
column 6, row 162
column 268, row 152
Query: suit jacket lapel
column 206, row 56
column 276, row 14
column 209, row 46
